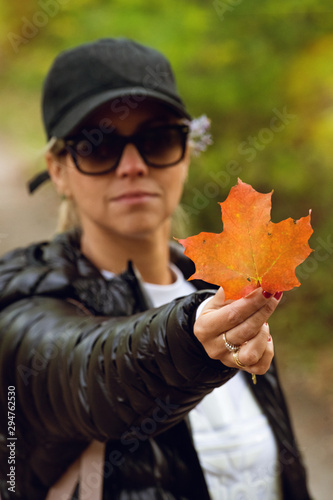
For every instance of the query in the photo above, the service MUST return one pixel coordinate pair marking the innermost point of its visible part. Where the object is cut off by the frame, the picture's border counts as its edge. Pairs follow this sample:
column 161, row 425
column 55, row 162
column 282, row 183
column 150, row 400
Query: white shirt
column 235, row 444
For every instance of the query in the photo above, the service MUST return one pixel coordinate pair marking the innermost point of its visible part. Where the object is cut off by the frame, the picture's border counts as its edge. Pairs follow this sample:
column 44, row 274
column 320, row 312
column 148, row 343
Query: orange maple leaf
column 251, row 251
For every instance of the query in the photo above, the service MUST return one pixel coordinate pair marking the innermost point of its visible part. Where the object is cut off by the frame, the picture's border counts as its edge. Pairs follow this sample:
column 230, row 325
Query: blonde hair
column 68, row 217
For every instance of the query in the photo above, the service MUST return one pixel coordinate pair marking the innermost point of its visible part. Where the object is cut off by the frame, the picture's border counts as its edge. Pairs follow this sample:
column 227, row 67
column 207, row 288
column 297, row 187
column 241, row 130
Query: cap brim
column 78, row 113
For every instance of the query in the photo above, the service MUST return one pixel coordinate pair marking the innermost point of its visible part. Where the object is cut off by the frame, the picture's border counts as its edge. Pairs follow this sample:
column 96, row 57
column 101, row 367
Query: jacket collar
column 59, row 269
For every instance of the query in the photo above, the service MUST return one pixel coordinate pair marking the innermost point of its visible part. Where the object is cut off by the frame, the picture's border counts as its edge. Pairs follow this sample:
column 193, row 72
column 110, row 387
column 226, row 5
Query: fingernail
column 267, row 295
column 269, row 339
column 277, row 295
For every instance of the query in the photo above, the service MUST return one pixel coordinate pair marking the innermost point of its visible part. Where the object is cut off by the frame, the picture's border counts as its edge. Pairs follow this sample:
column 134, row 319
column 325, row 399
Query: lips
column 133, row 197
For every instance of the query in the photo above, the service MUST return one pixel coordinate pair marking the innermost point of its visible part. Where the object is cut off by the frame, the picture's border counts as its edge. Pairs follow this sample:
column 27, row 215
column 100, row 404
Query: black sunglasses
column 159, row 147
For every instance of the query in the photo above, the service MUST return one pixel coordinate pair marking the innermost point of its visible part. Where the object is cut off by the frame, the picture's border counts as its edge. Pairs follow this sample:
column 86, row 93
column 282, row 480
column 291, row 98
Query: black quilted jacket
column 90, row 360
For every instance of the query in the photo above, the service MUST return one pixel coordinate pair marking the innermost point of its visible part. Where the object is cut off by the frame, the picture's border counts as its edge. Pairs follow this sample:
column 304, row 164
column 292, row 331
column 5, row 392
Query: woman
column 104, row 344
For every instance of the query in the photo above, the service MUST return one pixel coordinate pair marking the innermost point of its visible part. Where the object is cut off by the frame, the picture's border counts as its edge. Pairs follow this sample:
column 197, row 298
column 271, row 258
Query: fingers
column 240, row 323
column 265, row 362
column 241, row 319
column 253, row 350
column 255, row 356
column 244, row 317
column 257, row 353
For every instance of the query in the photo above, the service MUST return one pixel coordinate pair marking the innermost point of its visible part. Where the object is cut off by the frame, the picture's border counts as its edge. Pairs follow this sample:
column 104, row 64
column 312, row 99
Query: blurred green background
column 262, row 72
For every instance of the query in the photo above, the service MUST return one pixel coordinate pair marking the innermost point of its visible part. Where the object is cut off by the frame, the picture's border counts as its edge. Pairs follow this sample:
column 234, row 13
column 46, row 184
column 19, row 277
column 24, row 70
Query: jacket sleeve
column 87, row 377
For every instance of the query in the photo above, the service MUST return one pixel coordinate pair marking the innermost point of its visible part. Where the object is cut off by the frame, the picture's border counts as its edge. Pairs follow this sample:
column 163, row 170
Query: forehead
column 127, row 114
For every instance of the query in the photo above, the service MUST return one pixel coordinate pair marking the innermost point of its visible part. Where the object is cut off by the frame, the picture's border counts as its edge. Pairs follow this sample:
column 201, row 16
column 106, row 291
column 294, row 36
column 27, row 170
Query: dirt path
column 312, row 416
column 25, row 219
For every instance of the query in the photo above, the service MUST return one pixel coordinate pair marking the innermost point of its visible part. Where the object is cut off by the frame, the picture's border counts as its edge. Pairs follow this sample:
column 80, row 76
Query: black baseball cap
column 85, row 77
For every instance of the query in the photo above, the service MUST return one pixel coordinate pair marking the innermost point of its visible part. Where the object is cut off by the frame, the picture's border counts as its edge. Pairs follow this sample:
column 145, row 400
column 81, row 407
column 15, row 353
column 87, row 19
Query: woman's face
column 134, row 200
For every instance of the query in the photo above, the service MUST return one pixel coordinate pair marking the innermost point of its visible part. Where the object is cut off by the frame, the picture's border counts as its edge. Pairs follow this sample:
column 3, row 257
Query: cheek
column 184, row 168
column 182, row 174
column 174, row 185
column 84, row 191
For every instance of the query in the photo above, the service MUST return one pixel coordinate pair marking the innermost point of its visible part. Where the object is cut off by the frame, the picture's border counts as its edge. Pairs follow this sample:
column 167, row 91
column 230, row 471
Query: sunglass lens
column 162, row 146
column 95, row 158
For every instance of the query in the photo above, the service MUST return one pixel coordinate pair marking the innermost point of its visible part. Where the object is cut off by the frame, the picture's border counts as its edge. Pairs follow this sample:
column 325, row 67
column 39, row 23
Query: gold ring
column 238, row 363
column 230, row 347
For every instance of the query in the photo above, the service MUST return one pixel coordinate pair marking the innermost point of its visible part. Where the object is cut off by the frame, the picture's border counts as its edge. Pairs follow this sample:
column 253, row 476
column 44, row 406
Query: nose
column 131, row 163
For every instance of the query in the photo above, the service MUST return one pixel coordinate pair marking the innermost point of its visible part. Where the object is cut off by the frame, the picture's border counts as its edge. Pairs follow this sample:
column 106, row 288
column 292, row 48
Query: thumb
column 216, row 302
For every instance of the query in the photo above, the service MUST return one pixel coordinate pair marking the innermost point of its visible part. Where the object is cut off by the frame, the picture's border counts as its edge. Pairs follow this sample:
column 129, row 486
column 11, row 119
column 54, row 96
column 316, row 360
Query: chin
column 141, row 229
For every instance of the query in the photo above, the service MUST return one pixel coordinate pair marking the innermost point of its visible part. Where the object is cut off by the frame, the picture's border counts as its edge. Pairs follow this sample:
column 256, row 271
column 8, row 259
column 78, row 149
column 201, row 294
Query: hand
column 244, row 322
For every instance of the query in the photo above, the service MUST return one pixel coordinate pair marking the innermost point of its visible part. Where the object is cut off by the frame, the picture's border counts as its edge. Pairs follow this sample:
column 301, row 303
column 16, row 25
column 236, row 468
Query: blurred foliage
column 262, row 71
